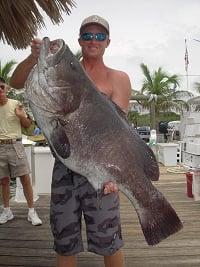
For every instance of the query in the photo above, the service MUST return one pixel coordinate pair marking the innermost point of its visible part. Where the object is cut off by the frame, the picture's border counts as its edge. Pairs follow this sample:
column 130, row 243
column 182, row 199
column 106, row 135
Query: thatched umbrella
column 20, row 19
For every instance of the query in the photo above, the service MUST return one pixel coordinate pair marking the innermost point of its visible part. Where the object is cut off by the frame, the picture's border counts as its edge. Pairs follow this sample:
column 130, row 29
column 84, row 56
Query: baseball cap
column 95, row 19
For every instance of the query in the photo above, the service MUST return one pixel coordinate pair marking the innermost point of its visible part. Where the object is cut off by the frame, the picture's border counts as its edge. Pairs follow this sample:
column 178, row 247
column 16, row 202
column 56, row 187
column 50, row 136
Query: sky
column 152, row 32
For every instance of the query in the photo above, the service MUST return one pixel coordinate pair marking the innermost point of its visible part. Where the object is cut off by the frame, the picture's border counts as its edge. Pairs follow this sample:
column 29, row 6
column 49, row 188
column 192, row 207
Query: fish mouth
column 51, row 54
column 51, row 51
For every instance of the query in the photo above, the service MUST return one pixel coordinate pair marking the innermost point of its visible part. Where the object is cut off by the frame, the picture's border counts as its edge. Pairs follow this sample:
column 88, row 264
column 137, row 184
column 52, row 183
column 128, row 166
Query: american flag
column 186, row 57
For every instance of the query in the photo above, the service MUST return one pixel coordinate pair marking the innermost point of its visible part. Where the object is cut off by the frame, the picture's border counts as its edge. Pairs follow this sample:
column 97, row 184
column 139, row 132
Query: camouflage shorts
column 72, row 196
column 13, row 160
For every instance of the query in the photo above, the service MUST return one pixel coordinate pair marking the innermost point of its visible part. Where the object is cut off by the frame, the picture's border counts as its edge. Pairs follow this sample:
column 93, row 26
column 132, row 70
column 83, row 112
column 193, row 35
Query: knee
column 5, row 181
column 25, row 180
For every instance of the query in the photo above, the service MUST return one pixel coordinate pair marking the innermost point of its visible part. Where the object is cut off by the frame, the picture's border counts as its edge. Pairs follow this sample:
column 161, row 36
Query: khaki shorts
column 72, row 197
column 13, row 160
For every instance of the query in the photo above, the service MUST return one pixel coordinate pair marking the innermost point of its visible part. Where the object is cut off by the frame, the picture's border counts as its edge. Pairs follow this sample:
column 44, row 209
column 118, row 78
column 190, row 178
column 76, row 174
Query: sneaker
column 34, row 219
column 6, row 216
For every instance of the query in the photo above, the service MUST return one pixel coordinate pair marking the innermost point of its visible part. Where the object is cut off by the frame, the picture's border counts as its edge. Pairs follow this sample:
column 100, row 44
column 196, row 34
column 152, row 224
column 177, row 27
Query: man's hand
column 20, row 112
column 110, row 187
column 35, row 48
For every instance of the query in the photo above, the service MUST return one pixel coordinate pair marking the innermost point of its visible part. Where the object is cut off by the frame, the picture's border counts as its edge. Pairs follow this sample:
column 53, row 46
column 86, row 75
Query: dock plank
column 22, row 244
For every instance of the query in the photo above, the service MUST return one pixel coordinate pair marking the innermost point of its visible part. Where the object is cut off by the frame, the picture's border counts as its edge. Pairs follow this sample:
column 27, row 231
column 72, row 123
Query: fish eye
column 72, row 65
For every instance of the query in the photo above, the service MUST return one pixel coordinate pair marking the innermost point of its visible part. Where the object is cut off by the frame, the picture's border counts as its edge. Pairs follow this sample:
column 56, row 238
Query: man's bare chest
column 104, row 85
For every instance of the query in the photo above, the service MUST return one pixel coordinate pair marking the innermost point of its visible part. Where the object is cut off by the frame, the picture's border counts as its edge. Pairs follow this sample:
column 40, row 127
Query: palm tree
column 5, row 70
column 20, row 20
column 197, row 98
column 159, row 91
column 133, row 117
column 197, row 87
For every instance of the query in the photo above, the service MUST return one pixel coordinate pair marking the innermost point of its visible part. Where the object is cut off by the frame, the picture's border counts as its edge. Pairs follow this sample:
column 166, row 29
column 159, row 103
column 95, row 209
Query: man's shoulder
column 121, row 83
column 118, row 73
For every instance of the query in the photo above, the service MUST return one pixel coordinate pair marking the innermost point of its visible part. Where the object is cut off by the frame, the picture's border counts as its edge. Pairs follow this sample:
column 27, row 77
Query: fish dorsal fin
column 151, row 169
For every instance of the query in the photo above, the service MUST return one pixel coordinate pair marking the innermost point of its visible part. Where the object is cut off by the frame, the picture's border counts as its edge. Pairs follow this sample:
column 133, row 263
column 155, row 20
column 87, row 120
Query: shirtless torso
column 113, row 83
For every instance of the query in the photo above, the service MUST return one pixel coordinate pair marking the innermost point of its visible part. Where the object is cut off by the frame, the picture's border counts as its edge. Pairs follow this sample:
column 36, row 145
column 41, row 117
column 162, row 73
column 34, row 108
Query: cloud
column 152, row 32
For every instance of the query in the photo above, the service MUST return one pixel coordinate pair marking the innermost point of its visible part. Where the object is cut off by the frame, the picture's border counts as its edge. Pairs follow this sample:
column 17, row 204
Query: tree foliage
column 197, row 87
column 5, row 70
column 161, row 91
column 20, row 20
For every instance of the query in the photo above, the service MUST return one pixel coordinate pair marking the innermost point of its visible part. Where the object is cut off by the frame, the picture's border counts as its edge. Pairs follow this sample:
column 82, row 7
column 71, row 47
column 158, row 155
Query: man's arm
column 25, row 121
column 22, row 71
column 122, row 90
column 120, row 95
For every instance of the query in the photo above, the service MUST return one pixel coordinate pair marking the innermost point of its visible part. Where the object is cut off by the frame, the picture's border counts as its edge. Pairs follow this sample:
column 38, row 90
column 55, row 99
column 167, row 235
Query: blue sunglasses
column 88, row 36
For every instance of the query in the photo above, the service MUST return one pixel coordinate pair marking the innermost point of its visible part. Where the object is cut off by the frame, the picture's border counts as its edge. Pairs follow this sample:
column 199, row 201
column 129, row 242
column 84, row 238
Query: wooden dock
column 22, row 244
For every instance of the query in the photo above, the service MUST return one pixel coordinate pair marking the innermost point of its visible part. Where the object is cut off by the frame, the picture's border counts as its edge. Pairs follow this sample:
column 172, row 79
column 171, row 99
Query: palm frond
column 181, row 94
column 197, row 87
column 177, row 105
column 148, row 80
column 135, row 92
column 20, row 20
column 5, row 70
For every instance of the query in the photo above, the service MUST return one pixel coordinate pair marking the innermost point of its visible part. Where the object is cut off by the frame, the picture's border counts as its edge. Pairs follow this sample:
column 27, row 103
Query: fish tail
column 158, row 221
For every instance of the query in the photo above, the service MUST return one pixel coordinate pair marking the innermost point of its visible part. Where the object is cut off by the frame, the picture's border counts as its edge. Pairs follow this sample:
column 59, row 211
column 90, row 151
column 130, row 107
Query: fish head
column 52, row 84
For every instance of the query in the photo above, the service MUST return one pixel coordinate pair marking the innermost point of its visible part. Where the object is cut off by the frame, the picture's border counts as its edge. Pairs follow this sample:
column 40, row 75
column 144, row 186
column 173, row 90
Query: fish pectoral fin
column 60, row 142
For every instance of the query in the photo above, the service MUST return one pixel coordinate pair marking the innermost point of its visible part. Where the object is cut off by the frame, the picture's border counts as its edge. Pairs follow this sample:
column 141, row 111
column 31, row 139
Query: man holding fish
column 101, row 211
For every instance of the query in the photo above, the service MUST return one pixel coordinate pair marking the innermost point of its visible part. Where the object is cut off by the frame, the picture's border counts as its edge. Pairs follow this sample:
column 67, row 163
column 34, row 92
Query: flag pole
column 186, row 62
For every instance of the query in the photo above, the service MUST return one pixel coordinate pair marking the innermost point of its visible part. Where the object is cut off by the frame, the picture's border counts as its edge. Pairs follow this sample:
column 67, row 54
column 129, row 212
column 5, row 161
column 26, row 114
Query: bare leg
column 115, row 260
column 66, row 261
column 5, row 182
column 27, row 188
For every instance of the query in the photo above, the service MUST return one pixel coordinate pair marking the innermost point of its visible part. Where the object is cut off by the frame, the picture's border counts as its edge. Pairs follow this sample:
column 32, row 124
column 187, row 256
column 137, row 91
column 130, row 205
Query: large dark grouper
column 91, row 137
